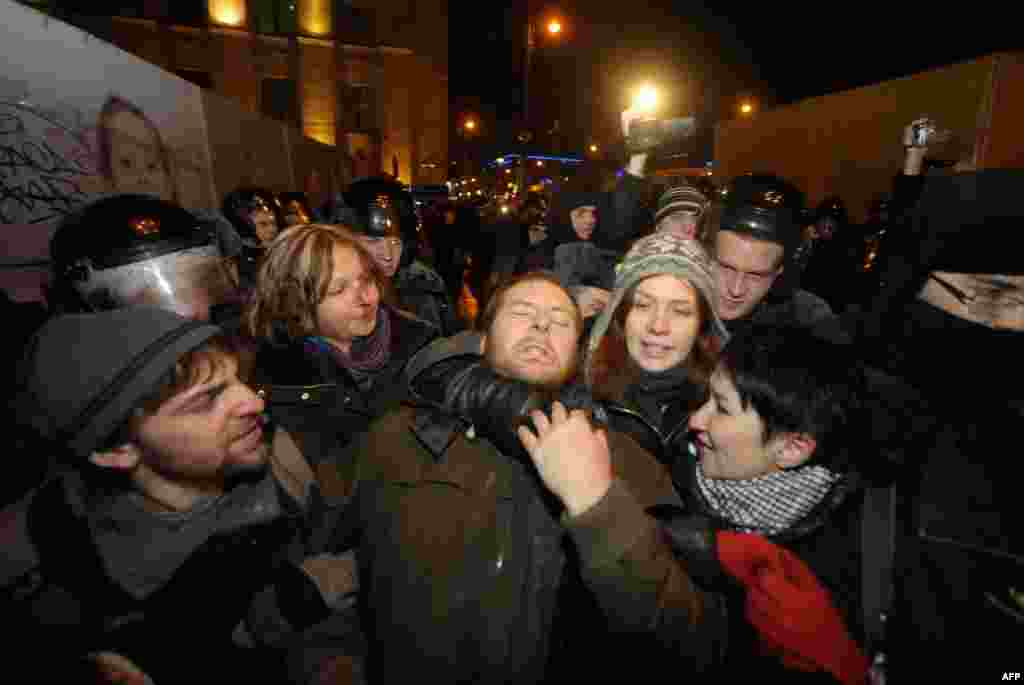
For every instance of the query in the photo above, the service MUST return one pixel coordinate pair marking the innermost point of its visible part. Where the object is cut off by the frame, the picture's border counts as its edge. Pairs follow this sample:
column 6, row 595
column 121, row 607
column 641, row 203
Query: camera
column 922, row 132
column 646, row 135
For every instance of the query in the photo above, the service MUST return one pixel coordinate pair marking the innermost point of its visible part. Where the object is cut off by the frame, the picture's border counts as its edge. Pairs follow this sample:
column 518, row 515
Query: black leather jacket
column 320, row 403
column 657, row 418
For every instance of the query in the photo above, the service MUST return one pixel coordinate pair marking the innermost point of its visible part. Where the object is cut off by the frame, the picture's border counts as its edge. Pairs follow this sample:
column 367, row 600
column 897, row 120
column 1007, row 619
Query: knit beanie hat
column 684, row 198
column 660, row 253
column 85, row 373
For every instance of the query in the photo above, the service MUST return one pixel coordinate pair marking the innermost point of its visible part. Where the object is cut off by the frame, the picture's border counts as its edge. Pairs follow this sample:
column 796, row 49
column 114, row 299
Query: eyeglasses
column 756, row 277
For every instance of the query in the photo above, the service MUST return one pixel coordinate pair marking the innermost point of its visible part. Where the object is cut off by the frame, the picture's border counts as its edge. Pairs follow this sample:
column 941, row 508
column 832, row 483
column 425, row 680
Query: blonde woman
column 332, row 348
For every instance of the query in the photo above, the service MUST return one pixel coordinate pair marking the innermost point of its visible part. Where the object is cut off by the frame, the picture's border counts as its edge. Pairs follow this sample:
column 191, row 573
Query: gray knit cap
column 684, row 198
column 660, row 253
column 85, row 373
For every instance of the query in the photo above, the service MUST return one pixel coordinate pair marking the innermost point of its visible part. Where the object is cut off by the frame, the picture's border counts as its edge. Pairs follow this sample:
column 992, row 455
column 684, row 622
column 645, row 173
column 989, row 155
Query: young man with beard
column 487, row 564
column 173, row 543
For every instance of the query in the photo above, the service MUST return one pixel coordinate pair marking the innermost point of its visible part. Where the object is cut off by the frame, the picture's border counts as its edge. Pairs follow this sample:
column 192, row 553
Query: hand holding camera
column 923, row 132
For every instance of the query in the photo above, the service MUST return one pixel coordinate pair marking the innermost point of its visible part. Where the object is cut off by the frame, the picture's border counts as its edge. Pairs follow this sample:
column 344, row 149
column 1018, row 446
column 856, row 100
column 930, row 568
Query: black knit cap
column 85, row 373
column 971, row 223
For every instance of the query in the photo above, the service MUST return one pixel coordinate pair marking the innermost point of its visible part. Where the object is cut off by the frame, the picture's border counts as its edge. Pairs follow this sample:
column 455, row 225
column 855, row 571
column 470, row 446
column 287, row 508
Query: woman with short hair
column 774, row 485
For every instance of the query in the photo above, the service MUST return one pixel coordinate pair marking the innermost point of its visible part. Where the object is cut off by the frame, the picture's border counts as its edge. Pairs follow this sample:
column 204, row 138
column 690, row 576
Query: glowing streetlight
column 540, row 163
column 746, row 107
column 593, row 148
column 554, row 27
column 470, row 125
column 645, row 99
column 500, row 160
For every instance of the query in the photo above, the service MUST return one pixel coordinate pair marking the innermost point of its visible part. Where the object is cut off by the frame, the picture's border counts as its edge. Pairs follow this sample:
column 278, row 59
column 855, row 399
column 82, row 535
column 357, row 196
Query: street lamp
column 554, row 28
column 468, row 131
column 646, row 99
column 593, row 148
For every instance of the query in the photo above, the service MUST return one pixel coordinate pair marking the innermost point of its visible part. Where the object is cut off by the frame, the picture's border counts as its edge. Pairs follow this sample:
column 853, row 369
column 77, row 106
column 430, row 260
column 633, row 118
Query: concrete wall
column 1001, row 143
column 849, row 143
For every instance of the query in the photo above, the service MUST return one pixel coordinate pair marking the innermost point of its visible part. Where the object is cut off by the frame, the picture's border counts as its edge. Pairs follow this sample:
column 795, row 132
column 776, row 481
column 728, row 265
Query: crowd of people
column 708, row 438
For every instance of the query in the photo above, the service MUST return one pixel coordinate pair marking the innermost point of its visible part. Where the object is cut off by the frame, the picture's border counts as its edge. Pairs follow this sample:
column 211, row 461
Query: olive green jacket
column 470, row 571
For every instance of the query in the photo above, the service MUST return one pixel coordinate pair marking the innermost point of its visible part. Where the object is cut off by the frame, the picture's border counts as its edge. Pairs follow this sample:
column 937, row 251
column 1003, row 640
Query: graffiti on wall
column 44, row 164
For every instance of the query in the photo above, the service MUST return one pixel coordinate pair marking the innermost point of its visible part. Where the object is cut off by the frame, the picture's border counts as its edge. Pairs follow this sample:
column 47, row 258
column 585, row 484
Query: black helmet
column 832, row 207
column 297, row 205
column 137, row 249
column 879, row 211
column 831, row 216
column 240, row 204
column 766, row 207
column 380, row 206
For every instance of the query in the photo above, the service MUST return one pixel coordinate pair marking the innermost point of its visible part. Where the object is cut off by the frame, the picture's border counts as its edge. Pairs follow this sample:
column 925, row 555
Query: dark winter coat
column 320, row 403
column 472, row 574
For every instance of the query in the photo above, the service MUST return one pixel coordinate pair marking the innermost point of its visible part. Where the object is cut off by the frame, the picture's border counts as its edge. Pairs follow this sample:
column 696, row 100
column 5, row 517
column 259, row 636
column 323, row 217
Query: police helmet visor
column 188, row 282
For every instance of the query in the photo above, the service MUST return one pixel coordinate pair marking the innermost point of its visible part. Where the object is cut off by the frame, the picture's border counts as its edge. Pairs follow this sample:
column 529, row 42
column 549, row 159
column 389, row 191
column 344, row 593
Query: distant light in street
column 500, row 160
column 646, row 98
column 593, row 148
column 504, row 209
column 540, row 163
column 472, row 180
column 508, row 171
column 229, row 12
column 746, row 108
column 470, row 125
column 479, row 192
column 554, row 27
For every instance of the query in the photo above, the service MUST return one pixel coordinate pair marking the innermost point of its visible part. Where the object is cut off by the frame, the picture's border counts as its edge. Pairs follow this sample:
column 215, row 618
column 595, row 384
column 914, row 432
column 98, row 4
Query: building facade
column 369, row 78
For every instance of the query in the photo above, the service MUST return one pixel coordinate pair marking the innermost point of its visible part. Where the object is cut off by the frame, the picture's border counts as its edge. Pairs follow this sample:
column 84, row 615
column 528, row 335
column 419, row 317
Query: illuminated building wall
column 390, row 52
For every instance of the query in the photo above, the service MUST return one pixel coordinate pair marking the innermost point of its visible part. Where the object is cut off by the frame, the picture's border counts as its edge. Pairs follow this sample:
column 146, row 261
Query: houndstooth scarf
column 769, row 504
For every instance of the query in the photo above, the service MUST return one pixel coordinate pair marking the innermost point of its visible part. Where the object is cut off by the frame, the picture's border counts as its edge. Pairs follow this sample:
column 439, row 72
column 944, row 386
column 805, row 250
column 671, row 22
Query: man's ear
column 483, row 343
column 794, row 449
column 123, row 458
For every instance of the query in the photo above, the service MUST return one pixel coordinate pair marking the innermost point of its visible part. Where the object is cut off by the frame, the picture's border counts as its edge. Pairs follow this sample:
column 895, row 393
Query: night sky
column 777, row 52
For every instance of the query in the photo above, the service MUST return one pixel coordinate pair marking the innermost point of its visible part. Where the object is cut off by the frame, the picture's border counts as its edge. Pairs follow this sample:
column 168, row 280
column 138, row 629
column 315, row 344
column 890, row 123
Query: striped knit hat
column 680, row 199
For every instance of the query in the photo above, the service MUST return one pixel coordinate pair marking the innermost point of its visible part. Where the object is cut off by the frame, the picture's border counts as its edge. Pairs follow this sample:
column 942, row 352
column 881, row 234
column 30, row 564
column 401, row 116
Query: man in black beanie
column 950, row 320
column 173, row 542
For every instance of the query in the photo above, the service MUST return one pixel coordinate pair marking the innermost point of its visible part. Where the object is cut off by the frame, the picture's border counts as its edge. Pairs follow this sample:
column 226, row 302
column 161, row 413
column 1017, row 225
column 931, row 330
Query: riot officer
column 124, row 250
column 381, row 211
